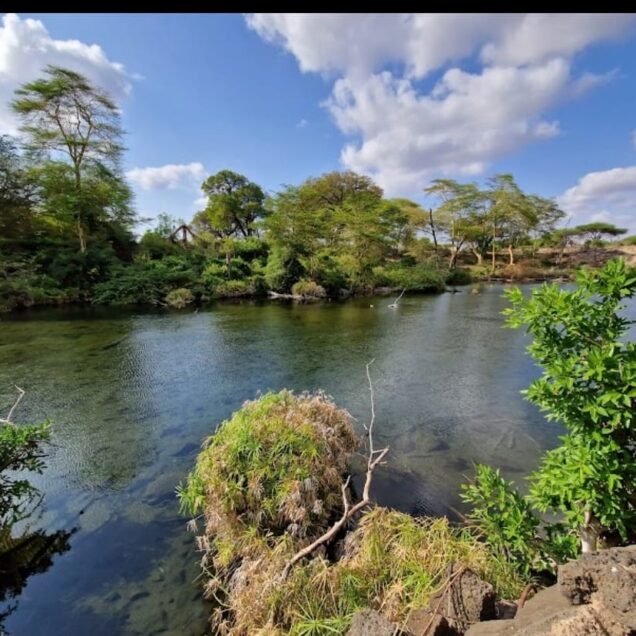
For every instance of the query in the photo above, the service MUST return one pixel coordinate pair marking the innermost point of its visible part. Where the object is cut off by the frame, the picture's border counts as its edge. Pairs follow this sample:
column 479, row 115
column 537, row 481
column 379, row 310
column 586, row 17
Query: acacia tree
column 234, row 206
column 65, row 115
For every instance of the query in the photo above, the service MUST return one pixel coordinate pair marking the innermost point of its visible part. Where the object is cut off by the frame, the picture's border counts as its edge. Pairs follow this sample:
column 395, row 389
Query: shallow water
column 132, row 394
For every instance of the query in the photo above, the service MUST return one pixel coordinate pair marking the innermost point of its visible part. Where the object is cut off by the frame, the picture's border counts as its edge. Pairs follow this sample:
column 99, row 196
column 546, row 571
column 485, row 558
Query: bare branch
column 394, row 305
column 21, row 393
column 374, row 459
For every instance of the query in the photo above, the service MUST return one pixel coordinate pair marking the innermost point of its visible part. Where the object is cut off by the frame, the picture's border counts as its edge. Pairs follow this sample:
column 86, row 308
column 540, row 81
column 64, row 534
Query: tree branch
column 374, row 459
column 21, row 393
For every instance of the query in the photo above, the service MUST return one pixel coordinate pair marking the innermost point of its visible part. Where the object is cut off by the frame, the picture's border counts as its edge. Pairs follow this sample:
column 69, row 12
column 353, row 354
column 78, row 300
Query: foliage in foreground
column 589, row 386
column 267, row 484
column 21, row 449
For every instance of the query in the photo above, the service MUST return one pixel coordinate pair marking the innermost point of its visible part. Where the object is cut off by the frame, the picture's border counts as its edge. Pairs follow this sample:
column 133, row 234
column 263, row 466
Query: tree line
column 67, row 221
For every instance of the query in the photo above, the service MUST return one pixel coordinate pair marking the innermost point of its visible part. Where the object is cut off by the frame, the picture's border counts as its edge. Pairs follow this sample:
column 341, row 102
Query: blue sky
column 403, row 97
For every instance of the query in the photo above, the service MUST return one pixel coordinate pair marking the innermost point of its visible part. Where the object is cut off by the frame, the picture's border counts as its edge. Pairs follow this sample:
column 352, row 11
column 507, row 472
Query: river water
column 131, row 395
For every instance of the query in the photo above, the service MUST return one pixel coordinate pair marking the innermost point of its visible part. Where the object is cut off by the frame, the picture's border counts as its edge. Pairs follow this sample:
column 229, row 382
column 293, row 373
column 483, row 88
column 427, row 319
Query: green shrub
column 308, row 288
column 419, row 278
column 459, row 277
column 234, row 289
column 628, row 240
column 268, row 483
column 179, row 298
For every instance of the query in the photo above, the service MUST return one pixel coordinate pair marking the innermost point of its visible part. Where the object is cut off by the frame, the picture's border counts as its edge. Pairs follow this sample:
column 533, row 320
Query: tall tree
column 64, row 114
column 235, row 205
column 16, row 192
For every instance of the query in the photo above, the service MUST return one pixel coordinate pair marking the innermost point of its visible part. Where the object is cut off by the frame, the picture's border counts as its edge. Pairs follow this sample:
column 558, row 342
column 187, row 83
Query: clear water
column 133, row 394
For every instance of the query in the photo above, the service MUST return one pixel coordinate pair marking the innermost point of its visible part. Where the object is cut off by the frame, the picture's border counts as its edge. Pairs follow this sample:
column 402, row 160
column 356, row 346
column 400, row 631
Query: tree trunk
column 80, row 234
column 511, row 254
column 479, row 257
column 494, row 249
column 80, row 229
column 432, row 223
column 589, row 533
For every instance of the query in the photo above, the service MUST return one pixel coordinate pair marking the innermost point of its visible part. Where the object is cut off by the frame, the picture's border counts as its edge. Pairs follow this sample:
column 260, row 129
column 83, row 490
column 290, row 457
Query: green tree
column 597, row 231
column 589, row 385
column 235, row 205
column 17, row 193
column 63, row 114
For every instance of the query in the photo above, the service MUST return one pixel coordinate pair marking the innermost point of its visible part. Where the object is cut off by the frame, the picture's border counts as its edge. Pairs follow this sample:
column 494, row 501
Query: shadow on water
column 133, row 394
column 22, row 556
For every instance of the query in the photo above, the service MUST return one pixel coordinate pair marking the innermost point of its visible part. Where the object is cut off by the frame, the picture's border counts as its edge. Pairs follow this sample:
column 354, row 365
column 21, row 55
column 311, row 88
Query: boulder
column 606, row 578
column 371, row 623
column 468, row 600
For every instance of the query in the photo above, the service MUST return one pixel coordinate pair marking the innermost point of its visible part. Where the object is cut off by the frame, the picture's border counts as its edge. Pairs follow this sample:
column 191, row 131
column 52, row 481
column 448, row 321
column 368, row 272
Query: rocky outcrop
column 594, row 596
column 465, row 601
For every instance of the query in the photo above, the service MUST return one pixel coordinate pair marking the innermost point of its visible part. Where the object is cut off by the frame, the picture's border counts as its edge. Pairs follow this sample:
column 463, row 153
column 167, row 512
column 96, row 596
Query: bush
column 234, row 289
column 179, row 298
column 419, row 278
column 268, row 483
column 589, row 385
column 309, row 289
column 459, row 277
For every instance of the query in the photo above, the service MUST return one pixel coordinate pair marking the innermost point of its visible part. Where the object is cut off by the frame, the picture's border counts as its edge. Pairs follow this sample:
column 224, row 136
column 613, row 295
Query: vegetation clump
column 271, row 481
column 179, row 298
column 308, row 289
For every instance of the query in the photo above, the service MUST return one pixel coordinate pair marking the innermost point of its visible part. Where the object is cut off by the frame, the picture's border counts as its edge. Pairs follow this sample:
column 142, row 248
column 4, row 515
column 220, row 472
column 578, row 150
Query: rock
column 420, row 623
column 607, row 578
column 371, row 623
column 505, row 609
column 468, row 600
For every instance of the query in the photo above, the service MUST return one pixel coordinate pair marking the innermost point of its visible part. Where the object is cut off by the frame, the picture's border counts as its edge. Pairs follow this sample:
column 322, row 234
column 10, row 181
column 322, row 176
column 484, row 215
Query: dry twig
column 21, row 393
column 374, row 459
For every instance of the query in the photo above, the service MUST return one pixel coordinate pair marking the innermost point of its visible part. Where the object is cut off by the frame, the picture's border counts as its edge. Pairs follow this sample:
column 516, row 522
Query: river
column 131, row 395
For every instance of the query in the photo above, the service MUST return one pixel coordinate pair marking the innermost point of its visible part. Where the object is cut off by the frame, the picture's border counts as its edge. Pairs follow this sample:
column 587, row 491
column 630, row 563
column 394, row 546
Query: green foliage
column 268, row 483
column 179, row 298
column 308, row 288
column 628, row 240
column 420, row 277
column 21, row 449
column 459, row 277
column 235, row 205
column 509, row 526
column 147, row 281
column 272, row 454
column 589, row 385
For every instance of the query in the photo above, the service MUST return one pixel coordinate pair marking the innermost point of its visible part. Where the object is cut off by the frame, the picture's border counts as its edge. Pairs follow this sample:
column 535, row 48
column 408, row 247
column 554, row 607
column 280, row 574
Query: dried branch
column 21, row 393
column 374, row 459
column 393, row 305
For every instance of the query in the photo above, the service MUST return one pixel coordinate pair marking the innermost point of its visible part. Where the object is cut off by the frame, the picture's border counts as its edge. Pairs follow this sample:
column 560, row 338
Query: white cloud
column 402, row 135
column 466, row 121
column 303, row 123
column 607, row 195
column 26, row 48
column 170, row 176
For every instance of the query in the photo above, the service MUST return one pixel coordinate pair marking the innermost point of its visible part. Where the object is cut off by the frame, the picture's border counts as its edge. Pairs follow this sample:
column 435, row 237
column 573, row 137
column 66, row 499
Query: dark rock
column 371, row 623
column 467, row 600
column 505, row 609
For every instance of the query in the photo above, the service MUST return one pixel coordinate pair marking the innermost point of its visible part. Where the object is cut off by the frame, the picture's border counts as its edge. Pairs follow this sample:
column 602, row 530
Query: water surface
column 132, row 394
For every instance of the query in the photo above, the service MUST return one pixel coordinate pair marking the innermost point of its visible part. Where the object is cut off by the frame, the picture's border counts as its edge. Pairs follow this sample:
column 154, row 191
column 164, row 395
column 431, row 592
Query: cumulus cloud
column 26, row 47
column 171, row 176
column 403, row 135
column 607, row 195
